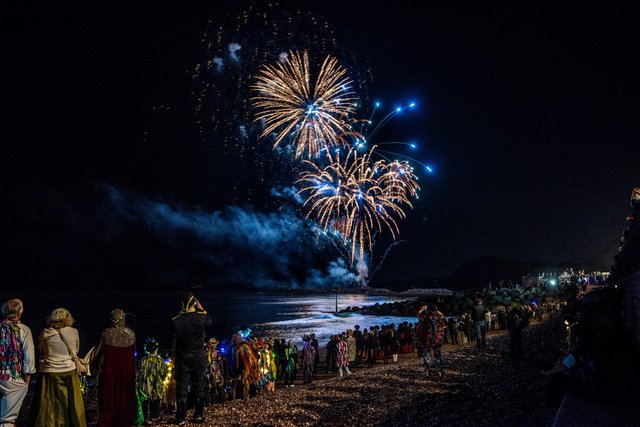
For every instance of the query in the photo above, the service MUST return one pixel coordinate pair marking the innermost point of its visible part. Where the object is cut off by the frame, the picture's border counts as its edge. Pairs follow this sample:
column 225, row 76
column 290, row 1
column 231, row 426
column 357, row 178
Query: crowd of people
column 194, row 371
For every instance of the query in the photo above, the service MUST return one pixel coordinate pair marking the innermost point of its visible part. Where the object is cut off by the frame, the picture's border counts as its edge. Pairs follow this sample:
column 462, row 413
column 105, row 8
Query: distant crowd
column 195, row 371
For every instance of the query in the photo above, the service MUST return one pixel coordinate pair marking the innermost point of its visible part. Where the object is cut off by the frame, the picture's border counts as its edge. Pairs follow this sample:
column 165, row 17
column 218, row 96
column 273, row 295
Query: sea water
column 288, row 316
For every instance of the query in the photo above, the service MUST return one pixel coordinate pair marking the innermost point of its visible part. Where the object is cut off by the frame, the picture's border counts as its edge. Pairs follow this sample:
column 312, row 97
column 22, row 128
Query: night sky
column 529, row 115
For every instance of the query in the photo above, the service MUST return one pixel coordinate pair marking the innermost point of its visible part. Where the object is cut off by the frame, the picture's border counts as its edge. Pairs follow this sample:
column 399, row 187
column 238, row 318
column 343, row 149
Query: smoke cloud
column 233, row 48
column 219, row 64
column 238, row 245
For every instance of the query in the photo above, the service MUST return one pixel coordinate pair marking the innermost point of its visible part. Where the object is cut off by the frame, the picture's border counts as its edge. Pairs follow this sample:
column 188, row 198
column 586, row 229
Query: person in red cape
column 117, row 380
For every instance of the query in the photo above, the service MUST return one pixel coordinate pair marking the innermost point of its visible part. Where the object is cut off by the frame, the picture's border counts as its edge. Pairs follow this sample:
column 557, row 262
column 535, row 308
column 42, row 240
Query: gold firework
column 357, row 198
column 314, row 115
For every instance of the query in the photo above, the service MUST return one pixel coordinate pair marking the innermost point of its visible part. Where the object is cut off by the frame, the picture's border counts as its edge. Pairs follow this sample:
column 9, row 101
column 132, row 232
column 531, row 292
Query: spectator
column 17, row 352
column 117, row 382
column 342, row 356
column 150, row 380
column 478, row 313
column 59, row 401
column 188, row 346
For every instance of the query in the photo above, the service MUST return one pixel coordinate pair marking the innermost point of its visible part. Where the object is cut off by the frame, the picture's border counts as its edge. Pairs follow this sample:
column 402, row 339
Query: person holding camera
column 188, row 347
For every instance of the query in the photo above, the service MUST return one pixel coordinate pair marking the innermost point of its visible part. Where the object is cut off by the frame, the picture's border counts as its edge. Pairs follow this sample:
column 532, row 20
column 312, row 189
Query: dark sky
column 529, row 113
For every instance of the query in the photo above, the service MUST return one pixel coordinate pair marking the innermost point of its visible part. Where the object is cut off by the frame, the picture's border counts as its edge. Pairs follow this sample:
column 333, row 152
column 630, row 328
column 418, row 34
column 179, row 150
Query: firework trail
column 315, row 112
column 357, row 197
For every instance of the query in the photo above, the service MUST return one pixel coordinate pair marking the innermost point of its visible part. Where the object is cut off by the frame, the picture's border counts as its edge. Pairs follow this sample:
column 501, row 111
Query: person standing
column 351, row 347
column 357, row 334
column 117, row 379
column 330, row 359
column 59, row 400
column 430, row 337
column 453, row 333
column 316, row 345
column 152, row 372
column 342, row 356
column 515, row 323
column 478, row 312
column 291, row 356
column 17, row 352
column 187, row 345
column 308, row 360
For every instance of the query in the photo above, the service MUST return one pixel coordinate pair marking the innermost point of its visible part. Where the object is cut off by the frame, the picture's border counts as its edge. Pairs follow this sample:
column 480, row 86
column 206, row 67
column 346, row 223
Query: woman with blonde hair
column 60, row 395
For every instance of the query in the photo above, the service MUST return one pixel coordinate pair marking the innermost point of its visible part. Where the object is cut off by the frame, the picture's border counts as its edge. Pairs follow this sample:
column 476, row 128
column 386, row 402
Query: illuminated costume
column 430, row 334
column 152, row 372
column 291, row 369
column 117, row 380
column 267, row 365
column 17, row 363
column 169, row 383
column 244, row 365
column 216, row 372
column 187, row 344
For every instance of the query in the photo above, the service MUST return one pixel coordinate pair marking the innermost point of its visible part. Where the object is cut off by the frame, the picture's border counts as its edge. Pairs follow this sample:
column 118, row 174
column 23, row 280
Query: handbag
column 82, row 366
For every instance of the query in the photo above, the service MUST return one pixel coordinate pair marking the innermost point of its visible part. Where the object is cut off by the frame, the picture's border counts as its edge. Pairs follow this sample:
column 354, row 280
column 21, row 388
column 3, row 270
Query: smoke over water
column 237, row 245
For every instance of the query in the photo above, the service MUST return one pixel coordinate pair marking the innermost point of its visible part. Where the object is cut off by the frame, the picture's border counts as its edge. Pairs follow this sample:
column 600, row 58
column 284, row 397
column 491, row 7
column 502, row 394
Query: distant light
column 377, row 103
column 552, row 282
column 398, row 109
column 413, row 104
column 337, row 150
column 429, row 169
column 413, row 145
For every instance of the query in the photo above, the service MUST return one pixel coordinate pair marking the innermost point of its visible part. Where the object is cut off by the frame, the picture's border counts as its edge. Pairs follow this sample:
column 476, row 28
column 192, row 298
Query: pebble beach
column 479, row 388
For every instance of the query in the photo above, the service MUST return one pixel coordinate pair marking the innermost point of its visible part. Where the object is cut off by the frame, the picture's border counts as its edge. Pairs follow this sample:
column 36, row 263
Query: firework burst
column 314, row 112
column 356, row 197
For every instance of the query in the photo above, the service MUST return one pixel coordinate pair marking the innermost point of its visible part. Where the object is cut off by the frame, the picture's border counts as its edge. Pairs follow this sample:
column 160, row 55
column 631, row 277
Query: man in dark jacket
column 357, row 334
column 477, row 315
column 187, row 346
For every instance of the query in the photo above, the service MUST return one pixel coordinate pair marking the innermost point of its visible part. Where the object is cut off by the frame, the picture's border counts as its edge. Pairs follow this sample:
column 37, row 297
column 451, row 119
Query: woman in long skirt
column 59, row 399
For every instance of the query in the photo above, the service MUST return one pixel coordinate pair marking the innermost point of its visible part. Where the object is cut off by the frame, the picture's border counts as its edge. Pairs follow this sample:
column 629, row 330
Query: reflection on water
column 277, row 316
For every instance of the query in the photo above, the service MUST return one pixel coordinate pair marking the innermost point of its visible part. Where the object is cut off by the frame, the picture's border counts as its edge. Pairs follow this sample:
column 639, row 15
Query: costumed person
column 117, row 378
column 273, row 367
column 18, row 361
column 265, row 361
column 169, row 400
column 291, row 370
column 187, row 346
column 308, row 359
column 430, row 332
column 216, row 372
column 59, row 401
column 342, row 356
column 152, row 372
column 244, row 366
column 351, row 348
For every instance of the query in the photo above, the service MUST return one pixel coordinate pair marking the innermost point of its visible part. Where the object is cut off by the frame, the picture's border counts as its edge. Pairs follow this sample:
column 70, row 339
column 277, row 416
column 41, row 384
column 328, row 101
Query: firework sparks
column 356, row 197
column 315, row 115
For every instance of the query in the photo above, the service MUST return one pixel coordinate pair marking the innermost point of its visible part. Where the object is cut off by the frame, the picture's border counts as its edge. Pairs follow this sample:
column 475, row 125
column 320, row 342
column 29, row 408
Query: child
column 152, row 371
